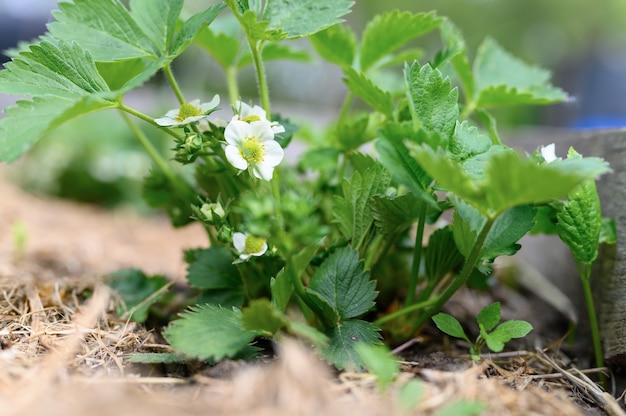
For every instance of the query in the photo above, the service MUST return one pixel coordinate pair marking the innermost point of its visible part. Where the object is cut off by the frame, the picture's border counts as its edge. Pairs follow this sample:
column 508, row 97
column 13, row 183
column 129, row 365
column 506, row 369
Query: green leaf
column 135, row 290
column 299, row 18
column 322, row 308
column 28, row 121
column 467, row 142
column 392, row 215
column 227, row 298
column 159, row 193
column 352, row 210
column 157, row 358
column 505, row 332
column 389, row 31
column 411, row 393
column 579, row 223
column 450, row 325
column 432, row 100
column 107, row 29
column 262, row 317
column 157, row 19
column 378, row 360
column 608, row 232
column 319, row 339
column 364, row 88
column 507, row 229
column 453, row 41
column 274, row 52
column 213, row 268
column 343, row 283
column 192, row 27
column 281, row 288
column 343, row 339
column 502, row 79
column 209, row 332
column 337, row 45
column 394, row 155
column 464, row 228
column 441, row 256
column 259, row 29
column 61, row 70
column 489, row 316
column 223, row 47
column 117, row 73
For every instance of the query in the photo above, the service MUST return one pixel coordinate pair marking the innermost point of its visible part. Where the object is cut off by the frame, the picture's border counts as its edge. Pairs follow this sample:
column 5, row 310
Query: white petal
column 261, row 130
column 245, row 110
column 195, row 103
column 239, row 241
column 192, row 119
column 273, row 153
column 165, row 121
column 236, row 131
column 244, row 256
column 173, row 113
column 234, row 157
column 205, row 107
column 277, row 128
column 548, row 152
column 263, row 171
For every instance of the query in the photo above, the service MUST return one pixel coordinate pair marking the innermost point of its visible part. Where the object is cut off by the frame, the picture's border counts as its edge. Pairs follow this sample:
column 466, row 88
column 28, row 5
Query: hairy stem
column 170, row 78
column 231, row 82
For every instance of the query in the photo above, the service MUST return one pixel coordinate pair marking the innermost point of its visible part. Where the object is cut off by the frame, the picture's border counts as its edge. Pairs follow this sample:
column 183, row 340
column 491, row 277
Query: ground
column 64, row 352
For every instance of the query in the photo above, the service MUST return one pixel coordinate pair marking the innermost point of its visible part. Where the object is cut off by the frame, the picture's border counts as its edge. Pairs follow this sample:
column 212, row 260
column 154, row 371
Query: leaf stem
column 345, row 107
column 148, row 119
column 231, row 82
column 170, row 78
column 417, row 257
column 178, row 183
column 585, row 273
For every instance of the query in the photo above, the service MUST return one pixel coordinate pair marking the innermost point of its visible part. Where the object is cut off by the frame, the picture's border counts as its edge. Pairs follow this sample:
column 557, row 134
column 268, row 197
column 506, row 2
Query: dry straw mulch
column 63, row 352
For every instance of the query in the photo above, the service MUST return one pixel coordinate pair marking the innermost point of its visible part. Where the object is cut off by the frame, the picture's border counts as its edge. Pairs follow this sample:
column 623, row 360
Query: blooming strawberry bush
column 330, row 247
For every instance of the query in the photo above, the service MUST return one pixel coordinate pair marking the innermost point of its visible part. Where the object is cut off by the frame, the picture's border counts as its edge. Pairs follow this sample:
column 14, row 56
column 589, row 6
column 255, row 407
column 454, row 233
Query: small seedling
column 491, row 334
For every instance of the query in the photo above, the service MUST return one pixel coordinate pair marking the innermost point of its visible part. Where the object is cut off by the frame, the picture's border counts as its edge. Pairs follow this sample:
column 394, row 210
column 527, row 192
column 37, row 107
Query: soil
column 63, row 351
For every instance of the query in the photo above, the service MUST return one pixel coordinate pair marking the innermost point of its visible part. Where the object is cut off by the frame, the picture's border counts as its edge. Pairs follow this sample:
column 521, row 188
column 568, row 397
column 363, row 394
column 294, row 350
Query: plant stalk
column 231, row 83
column 585, row 274
column 170, row 78
column 417, row 257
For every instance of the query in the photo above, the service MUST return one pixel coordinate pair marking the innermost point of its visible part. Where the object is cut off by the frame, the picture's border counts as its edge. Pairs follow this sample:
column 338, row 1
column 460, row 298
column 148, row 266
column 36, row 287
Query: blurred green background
column 96, row 159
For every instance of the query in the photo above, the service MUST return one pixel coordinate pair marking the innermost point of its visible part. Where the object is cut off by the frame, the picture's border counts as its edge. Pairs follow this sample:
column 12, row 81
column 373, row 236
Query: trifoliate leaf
column 489, row 316
column 448, row 324
column 387, row 32
column 432, row 100
column 505, row 332
column 107, row 29
column 364, row 88
column 337, row 45
column 209, row 332
column 352, row 210
column 192, row 27
column 262, row 317
column 343, row 283
column 137, row 292
column 441, row 256
column 62, row 70
column 213, row 268
column 455, row 45
column 343, row 339
column 502, row 79
column 299, row 18
column 580, row 221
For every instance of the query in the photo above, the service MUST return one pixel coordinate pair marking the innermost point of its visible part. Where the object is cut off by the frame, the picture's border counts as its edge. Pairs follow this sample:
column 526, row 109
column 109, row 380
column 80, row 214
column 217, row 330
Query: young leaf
column 453, row 41
column 378, row 360
column 262, row 317
column 580, row 222
column 195, row 332
column 467, row 142
column 502, row 79
column 450, row 325
column 364, row 88
column 192, row 27
column 505, row 332
column 352, row 210
column 135, row 289
column 343, row 339
column 337, row 45
column 304, row 17
column 432, row 100
column 489, row 316
column 343, row 283
column 389, row 31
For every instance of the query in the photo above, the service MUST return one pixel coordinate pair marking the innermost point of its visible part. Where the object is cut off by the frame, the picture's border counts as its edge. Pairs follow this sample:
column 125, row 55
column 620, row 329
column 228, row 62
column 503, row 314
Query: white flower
column 548, row 152
column 248, row 245
column 252, row 145
column 256, row 113
column 188, row 113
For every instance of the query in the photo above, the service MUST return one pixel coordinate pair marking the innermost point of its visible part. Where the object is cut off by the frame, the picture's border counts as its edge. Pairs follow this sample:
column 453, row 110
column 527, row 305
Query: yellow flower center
column 253, row 244
column 252, row 150
column 187, row 110
column 251, row 118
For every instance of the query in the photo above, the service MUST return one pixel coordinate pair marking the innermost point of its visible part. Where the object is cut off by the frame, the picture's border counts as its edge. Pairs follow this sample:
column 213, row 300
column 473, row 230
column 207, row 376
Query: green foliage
column 337, row 45
column 137, row 292
column 365, row 89
column 493, row 335
column 378, row 360
column 344, row 339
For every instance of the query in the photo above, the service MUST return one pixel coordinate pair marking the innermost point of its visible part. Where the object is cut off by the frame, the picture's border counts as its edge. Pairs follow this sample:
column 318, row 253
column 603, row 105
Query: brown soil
column 63, row 355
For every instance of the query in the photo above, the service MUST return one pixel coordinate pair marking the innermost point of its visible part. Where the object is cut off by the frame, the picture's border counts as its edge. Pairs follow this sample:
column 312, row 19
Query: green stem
column 417, row 257
column 178, row 183
column 345, row 107
column 170, row 78
column 585, row 274
column 260, row 75
column 231, row 82
column 404, row 311
column 148, row 119
column 373, row 249
column 468, row 110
